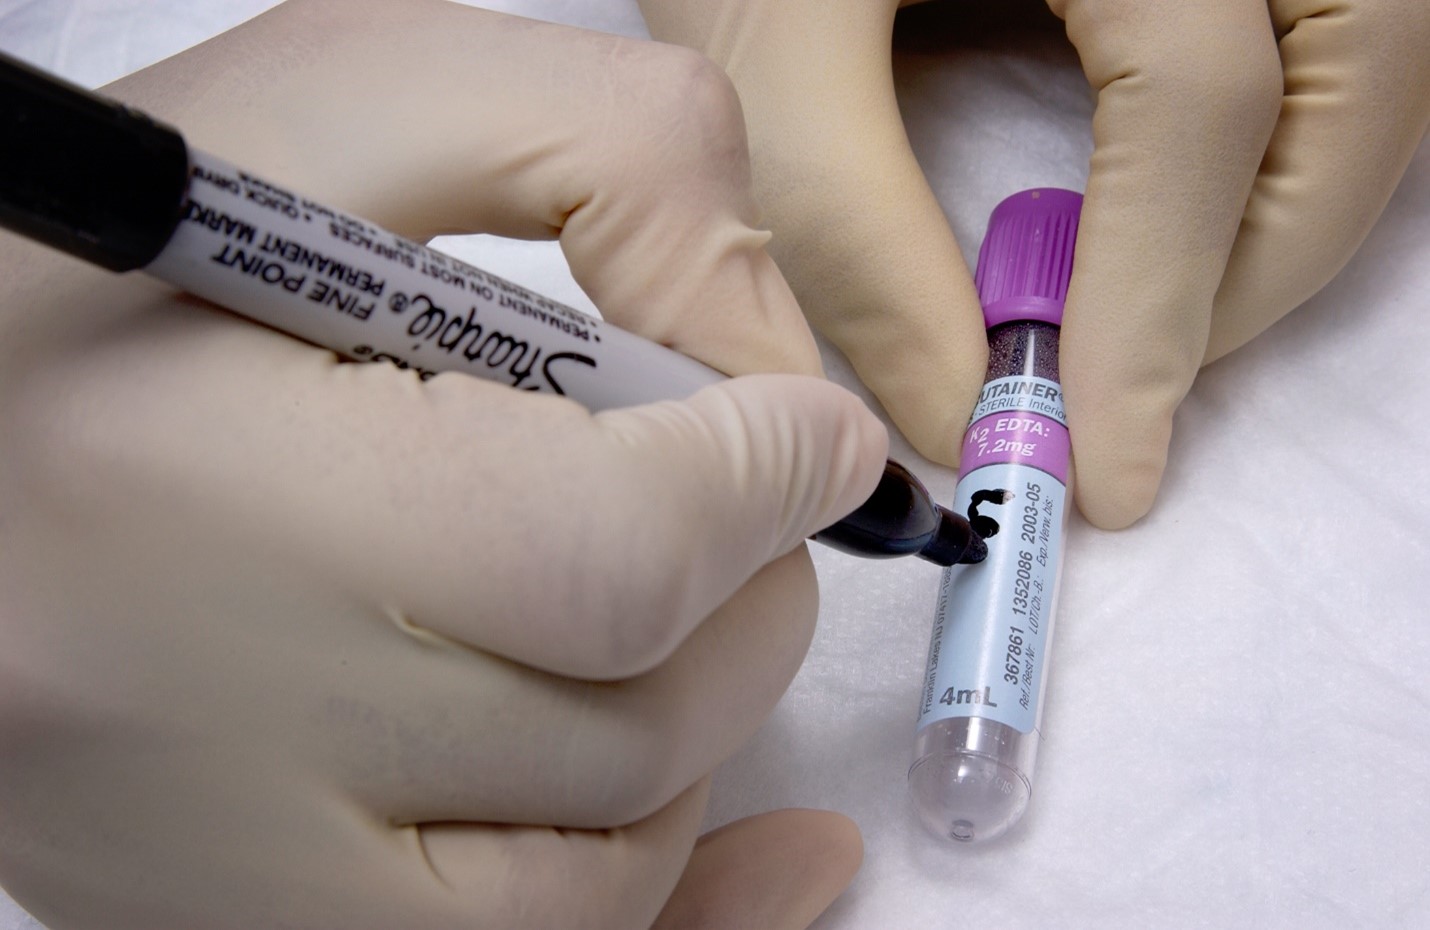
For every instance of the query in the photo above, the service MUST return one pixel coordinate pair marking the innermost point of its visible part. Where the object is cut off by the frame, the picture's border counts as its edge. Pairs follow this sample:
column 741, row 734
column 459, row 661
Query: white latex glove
column 1242, row 152
column 292, row 643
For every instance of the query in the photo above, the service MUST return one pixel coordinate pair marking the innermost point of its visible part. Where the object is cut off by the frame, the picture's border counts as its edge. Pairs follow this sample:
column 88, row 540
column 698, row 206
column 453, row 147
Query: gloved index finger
column 632, row 152
column 666, row 242
column 1186, row 101
column 858, row 232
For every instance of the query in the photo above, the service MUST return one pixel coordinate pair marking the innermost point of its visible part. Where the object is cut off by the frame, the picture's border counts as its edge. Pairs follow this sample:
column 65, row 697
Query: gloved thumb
column 735, row 477
column 778, row 871
column 641, row 521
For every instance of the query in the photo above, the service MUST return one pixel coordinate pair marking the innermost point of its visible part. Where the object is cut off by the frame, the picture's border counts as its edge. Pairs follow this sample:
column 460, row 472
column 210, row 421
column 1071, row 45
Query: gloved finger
column 633, row 153
column 637, row 159
column 1186, row 100
column 857, row 231
column 777, row 871
column 585, row 754
column 607, row 878
column 677, row 256
column 305, row 857
column 1357, row 103
column 315, row 688
column 647, row 518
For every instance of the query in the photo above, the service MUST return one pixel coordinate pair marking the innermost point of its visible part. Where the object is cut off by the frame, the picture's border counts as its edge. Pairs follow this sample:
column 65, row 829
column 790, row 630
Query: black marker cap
column 117, row 211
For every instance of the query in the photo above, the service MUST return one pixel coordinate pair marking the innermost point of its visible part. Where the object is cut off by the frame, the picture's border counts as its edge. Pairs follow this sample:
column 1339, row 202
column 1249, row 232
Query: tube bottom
column 970, row 780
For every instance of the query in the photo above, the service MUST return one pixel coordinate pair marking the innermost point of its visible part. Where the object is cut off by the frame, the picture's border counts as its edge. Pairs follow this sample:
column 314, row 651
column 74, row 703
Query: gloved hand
column 1242, row 153
column 292, row 643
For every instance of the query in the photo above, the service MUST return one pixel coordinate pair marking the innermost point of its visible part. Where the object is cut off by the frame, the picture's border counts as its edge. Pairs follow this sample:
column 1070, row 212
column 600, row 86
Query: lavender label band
column 1019, row 420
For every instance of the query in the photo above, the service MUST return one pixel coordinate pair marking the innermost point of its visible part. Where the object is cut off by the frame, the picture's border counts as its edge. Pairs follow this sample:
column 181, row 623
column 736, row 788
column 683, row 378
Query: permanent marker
column 106, row 184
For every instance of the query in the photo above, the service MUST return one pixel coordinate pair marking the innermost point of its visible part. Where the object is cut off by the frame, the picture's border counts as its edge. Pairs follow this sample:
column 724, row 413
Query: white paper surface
column 1238, row 718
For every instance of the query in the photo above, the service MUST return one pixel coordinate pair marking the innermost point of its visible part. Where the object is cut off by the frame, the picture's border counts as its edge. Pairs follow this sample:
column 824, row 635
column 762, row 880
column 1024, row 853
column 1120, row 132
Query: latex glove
column 1242, row 152
column 292, row 643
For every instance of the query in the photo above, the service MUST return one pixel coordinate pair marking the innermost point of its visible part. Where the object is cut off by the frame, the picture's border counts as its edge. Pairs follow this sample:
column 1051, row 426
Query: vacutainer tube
column 980, row 712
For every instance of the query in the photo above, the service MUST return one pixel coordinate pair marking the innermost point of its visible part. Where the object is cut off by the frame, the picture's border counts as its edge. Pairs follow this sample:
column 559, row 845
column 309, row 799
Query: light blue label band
column 993, row 621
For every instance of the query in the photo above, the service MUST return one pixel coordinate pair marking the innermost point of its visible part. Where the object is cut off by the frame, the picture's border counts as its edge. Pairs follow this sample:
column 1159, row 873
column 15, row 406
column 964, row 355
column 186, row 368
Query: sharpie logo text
column 466, row 335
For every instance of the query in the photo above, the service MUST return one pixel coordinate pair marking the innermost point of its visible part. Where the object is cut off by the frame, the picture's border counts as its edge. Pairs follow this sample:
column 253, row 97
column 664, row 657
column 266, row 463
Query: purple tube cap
column 1026, row 259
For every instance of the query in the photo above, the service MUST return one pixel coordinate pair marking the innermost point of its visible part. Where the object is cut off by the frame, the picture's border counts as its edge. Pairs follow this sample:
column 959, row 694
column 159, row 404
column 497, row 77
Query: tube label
column 994, row 620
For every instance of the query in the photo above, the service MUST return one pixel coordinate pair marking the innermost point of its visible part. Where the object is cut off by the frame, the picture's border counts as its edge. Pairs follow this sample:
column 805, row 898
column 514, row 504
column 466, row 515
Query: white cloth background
column 1237, row 730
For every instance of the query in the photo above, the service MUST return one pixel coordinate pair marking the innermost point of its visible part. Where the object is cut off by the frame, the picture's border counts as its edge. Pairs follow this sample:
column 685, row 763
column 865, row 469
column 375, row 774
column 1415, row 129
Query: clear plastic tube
column 980, row 712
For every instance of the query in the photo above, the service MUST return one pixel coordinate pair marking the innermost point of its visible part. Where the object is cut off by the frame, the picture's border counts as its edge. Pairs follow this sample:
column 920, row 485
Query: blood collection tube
column 980, row 712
